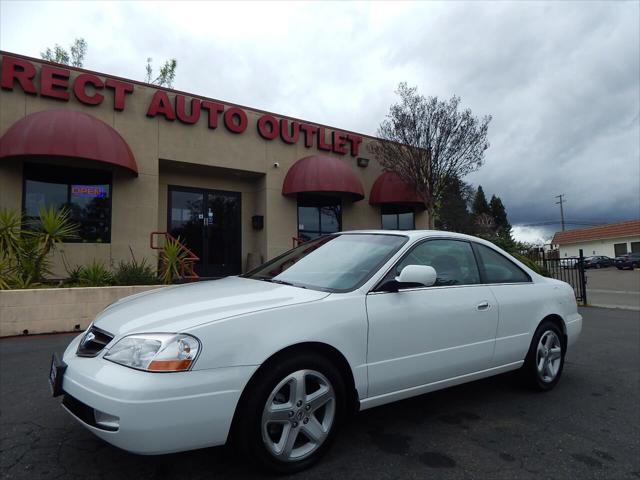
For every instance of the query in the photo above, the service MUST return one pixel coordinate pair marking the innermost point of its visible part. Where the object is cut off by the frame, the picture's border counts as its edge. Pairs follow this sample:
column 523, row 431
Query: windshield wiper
column 283, row 282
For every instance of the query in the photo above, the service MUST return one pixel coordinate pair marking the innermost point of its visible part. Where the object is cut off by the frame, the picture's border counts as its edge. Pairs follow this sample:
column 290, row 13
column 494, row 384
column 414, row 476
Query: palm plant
column 25, row 251
column 171, row 259
column 10, row 225
column 96, row 274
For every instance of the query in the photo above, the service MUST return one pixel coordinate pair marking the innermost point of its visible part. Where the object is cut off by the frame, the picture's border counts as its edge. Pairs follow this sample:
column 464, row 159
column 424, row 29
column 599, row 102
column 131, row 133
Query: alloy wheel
column 549, row 356
column 298, row 415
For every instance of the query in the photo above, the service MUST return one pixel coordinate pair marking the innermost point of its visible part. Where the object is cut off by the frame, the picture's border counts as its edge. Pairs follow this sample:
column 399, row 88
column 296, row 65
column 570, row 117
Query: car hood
column 180, row 307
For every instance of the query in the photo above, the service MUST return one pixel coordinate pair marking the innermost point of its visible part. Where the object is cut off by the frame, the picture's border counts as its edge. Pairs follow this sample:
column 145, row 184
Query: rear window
column 498, row 268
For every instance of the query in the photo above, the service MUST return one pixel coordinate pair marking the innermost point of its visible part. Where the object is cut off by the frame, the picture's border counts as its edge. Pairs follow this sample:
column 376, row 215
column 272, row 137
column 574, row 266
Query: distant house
column 610, row 240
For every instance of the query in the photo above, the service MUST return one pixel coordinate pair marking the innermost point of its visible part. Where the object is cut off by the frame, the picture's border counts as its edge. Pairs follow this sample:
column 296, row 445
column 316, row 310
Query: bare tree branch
column 426, row 141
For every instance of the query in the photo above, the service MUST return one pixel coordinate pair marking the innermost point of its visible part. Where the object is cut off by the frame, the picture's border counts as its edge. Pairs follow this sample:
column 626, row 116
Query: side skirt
column 439, row 385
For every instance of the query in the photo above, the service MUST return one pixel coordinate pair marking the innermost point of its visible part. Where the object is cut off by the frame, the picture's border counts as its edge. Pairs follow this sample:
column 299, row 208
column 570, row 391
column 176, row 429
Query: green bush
column 96, row 274
column 530, row 263
column 25, row 245
column 134, row 273
column 171, row 257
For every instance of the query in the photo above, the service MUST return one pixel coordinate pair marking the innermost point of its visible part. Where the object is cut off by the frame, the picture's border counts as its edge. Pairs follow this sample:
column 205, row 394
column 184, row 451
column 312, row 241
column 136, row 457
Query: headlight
column 156, row 352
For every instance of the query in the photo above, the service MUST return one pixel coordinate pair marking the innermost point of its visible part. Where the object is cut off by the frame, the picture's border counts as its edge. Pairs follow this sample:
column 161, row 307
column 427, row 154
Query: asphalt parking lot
column 610, row 287
column 588, row 427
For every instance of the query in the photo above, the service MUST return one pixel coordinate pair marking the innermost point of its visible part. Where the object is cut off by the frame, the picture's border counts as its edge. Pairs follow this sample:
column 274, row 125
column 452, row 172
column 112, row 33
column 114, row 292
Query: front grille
column 93, row 342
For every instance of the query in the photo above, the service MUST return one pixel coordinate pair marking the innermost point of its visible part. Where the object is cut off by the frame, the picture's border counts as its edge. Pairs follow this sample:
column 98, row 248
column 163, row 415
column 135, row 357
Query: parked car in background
column 569, row 262
column 598, row 261
column 628, row 260
column 275, row 359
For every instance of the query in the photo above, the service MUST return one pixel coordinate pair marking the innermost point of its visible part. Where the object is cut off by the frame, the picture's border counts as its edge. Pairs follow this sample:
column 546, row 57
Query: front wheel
column 545, row 360
column 288, row 417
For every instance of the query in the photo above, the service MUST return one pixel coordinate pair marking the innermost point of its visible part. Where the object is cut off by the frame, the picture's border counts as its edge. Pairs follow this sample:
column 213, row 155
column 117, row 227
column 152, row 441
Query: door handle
column 483, row 306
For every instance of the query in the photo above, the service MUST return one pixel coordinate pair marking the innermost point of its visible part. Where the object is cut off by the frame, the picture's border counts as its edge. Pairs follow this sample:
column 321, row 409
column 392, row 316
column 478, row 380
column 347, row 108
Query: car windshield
column 335, row 263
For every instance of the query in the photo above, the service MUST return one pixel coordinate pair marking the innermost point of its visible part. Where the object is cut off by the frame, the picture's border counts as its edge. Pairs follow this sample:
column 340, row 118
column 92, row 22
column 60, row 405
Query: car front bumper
column 156, row 412
column 574, row 327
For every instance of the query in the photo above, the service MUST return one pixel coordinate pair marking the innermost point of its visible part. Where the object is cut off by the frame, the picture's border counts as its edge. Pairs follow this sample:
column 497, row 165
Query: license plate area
column 56, row 372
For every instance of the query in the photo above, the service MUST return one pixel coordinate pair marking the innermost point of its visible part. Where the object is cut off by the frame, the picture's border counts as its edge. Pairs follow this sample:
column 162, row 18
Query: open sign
column 96, row 191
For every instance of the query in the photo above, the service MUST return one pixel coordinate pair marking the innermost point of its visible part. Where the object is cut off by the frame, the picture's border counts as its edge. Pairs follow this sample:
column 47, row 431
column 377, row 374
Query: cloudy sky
column 561, row 80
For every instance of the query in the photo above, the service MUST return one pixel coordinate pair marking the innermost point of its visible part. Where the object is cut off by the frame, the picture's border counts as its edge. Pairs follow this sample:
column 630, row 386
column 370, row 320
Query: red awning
column 67, row 133
column 389, row 189
column 320, row 174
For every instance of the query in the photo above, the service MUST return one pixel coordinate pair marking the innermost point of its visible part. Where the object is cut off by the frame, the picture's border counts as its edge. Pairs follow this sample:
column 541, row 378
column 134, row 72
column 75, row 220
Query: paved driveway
column 588, row 427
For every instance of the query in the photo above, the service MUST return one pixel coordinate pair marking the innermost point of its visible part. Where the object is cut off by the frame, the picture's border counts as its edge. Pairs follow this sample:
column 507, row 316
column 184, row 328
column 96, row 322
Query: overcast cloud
column 561, row 80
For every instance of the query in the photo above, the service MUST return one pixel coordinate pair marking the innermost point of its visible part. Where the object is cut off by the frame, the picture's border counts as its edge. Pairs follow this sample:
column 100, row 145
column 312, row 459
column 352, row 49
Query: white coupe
column 275, row 359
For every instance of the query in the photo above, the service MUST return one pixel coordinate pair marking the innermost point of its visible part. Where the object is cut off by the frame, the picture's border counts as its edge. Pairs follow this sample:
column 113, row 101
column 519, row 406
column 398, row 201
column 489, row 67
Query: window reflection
column 397, row 217
column 85, row 193
column 318, row 215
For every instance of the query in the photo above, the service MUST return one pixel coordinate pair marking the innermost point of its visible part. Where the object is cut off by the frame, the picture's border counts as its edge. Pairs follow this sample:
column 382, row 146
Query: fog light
column 106, row 421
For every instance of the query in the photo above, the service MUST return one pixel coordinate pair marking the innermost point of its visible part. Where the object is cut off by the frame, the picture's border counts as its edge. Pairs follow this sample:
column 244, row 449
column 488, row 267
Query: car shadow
column 375, row 430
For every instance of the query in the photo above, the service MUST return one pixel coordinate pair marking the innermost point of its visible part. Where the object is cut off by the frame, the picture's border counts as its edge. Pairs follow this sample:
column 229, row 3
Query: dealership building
column 237, row 185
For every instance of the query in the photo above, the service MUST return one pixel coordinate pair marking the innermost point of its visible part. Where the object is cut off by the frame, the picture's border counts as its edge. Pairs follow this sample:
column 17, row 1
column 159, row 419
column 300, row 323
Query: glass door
column 223, row 244
column 208, row 223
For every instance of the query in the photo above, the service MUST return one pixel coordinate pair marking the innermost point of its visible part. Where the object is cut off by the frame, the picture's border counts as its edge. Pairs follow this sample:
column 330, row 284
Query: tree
column 426, row 142
column 499, row 214
column 74, row 57
column 76, row 53
column 480, row 205
column 166, row 75
column 453, row 214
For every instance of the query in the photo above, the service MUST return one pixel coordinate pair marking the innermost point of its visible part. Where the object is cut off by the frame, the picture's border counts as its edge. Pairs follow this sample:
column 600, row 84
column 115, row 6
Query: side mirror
column 418, row 274
column 411, row 276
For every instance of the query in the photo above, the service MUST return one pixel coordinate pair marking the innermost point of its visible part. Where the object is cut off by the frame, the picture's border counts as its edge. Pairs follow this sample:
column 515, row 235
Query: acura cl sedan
column 275, row 359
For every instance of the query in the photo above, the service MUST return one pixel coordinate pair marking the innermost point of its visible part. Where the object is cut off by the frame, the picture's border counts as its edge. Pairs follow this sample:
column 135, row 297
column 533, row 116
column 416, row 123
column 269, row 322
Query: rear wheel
column 288, row 417
column 545, row 360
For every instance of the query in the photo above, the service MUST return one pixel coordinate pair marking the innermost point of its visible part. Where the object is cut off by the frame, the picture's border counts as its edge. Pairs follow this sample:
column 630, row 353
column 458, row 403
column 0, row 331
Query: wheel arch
column 559, row 322
column 320, row 348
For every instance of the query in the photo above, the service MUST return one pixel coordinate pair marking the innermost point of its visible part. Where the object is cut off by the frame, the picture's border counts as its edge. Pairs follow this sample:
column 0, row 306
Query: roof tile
column 612, row 230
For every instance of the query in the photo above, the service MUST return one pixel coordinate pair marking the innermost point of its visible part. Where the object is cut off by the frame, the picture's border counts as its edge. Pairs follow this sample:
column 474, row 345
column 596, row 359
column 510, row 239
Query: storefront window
column 86, row 193
column 318, row 215
column 397, row 217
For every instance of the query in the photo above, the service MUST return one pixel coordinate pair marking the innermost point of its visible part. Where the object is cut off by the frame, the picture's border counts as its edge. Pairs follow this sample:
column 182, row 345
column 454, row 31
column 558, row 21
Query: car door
column 520, row 303
column 423, row 335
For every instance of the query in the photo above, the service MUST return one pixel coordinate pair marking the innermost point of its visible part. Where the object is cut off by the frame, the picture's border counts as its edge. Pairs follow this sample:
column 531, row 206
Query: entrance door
column 208, row 223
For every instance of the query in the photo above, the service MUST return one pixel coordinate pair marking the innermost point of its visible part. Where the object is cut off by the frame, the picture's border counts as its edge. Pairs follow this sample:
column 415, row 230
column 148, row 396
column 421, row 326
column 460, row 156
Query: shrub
column 171, row 257
column 134, row 273
column 96, row 274
column 25, row 251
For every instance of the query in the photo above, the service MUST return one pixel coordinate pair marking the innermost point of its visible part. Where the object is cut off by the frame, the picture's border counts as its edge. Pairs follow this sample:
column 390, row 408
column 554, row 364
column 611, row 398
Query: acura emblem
column 88, row 338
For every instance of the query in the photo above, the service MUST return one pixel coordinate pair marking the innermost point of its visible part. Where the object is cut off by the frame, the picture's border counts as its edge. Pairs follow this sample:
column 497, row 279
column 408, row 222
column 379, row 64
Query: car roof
column 420, row 234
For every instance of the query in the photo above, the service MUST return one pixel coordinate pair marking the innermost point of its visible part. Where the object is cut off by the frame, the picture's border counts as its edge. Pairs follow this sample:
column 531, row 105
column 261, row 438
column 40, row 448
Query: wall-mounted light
column 363, row 162
column 257, row 222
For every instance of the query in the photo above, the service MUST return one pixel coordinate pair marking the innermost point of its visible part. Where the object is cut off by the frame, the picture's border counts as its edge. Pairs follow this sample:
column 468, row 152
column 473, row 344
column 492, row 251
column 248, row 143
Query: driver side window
column 453, row 261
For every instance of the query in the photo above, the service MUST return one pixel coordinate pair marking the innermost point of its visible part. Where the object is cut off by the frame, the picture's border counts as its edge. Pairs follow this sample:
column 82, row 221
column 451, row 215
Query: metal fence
column 568, row 269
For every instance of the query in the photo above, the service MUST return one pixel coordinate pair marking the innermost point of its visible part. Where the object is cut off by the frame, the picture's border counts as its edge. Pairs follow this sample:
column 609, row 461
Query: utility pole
column 560, row 202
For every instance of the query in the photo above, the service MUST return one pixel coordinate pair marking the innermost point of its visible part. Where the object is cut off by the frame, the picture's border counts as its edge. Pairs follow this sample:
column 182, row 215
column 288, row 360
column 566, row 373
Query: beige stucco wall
column 47, row 310
column 139, row 203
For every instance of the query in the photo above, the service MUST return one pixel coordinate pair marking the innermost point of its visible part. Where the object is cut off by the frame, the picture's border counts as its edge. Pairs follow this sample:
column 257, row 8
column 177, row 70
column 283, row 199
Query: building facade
column 609, row 240
column 236, row 184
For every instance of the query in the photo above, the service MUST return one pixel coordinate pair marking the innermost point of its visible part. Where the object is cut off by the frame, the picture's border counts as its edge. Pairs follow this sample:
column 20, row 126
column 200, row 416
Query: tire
column 598, row 265
column 262, row 433
column 543, row 365
column 619, row 268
